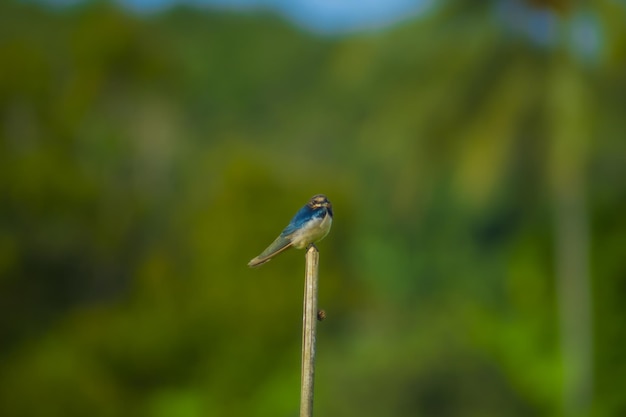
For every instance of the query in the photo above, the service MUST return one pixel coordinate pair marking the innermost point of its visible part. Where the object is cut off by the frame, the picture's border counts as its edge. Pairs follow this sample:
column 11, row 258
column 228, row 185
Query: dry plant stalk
column 309, row 323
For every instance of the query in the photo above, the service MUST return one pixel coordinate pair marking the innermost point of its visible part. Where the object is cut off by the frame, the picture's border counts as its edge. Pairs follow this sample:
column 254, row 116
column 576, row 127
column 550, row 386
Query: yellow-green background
column 144, row 159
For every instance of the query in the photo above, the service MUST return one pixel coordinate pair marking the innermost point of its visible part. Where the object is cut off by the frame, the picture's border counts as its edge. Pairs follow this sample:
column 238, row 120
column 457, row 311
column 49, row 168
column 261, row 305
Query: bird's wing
column 304, row 215
column 280, row 244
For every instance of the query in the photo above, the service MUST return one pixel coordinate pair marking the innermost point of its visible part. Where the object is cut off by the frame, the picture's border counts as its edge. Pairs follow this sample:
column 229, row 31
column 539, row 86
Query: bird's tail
column 280, row 244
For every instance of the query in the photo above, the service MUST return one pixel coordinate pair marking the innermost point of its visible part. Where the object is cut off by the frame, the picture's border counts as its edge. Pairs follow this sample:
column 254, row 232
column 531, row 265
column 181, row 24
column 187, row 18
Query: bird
column 310, row 224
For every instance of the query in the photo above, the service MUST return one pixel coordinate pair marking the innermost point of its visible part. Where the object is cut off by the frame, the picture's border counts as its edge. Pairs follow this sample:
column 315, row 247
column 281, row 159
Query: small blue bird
column 310, row 224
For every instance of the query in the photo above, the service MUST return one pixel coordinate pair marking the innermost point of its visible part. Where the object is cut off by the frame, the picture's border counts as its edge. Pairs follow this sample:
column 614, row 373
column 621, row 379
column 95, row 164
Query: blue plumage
column 303, row 215
column 310, row 224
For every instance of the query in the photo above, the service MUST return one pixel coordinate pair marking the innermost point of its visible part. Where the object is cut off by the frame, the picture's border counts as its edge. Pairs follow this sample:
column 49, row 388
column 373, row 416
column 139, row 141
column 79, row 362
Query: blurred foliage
column 145, row 160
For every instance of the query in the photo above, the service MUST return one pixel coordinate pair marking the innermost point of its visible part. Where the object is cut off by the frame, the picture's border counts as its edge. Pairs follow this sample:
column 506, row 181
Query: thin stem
column 309, row 322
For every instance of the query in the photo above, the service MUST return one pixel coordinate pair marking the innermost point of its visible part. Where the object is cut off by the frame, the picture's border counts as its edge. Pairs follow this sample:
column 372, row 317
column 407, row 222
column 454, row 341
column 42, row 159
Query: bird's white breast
column 311, row 232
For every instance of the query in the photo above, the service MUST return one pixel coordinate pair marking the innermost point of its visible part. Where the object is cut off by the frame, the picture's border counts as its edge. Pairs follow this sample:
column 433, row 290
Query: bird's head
column 320, row 201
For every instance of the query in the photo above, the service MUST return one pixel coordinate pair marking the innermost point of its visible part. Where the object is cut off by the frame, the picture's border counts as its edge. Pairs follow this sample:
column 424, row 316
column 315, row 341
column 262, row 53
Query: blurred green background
column 475, row 156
